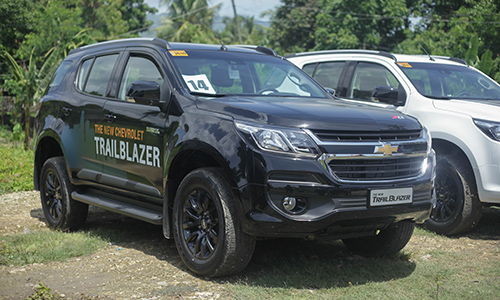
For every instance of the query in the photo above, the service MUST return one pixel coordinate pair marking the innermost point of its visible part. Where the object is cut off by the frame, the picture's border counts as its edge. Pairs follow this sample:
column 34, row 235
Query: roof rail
column 155, row 41
column 347, row 51
column 162, row 43
column 458, row 60
column 260, row 49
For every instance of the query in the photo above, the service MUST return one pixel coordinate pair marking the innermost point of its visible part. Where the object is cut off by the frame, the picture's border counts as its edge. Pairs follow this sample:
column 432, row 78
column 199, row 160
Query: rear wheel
column 388, row 242
column 458, row 208
column 60, row 210
column 206, row 228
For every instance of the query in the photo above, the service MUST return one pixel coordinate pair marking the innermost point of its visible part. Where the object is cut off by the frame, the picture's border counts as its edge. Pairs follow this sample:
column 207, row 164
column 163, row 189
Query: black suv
column 222, row 145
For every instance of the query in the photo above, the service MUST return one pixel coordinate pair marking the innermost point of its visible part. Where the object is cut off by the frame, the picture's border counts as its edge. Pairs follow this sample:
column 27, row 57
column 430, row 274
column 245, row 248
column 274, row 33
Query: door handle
column 66, row 111
column 110, row 117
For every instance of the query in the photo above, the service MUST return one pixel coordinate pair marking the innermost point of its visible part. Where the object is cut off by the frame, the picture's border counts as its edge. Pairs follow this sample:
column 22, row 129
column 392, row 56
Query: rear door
column 131, row 140
column 83, row 112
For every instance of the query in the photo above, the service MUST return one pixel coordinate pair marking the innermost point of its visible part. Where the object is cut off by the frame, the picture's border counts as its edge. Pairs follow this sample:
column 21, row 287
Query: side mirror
column 389, row 95
column 144, row 92
column 330, row 91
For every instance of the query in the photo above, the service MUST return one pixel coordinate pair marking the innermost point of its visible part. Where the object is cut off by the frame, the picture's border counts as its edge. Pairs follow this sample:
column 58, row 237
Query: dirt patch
column 148, row 266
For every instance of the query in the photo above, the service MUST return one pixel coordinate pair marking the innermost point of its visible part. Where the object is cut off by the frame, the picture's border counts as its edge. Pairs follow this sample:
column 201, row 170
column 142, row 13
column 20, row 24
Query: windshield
column 219, row 73
column 444, row 81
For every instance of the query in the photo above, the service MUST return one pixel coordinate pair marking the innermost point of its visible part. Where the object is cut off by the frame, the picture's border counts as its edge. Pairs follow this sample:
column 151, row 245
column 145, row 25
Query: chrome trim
column 325, row 158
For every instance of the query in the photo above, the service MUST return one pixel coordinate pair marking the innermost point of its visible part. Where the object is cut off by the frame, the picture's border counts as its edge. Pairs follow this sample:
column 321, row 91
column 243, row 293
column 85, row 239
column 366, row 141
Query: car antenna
column 430, row 57
column 222, row 46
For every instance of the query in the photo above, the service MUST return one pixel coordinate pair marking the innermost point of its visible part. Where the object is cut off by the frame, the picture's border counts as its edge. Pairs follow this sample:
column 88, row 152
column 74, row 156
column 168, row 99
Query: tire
column 60, row 210
column 458, row 208
column 388, row 242
column 206, row 227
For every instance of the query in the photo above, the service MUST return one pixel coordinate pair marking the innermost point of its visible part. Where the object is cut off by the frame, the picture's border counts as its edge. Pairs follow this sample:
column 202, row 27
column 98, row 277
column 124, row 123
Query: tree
column 134, row 12
column 251, row 33
column 17, row 21
column 293, row 26
column 188, row 21
column 373, row 24
column 58, row 21
column 470, row 32
column 27, row 83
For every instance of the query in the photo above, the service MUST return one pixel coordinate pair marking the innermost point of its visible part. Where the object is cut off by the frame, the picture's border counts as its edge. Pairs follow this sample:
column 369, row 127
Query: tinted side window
column 99, row 75
column 139, row 69
column 84, row 72
column 309, row 69
column 328, row 74
column 367, row 77
column 59, row 75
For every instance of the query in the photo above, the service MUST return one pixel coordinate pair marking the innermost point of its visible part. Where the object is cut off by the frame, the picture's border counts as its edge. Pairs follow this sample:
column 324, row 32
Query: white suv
column 459, row 104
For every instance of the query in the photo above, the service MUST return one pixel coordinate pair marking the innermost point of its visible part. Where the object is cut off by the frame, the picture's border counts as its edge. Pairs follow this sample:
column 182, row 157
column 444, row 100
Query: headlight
column 280, row 139
column 491, row 129
column 428, row 137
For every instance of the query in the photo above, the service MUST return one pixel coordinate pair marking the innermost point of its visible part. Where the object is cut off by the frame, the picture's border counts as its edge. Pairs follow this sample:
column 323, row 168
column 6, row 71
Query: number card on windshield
column 199, row 84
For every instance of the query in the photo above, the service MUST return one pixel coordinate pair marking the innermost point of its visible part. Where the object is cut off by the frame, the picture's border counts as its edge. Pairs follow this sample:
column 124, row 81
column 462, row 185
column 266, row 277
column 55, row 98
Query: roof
column 160, row 43
column 387, row 55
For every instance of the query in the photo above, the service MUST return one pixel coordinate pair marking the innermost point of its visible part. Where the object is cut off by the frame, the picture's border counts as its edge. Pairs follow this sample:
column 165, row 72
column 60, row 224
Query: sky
column 243, row 7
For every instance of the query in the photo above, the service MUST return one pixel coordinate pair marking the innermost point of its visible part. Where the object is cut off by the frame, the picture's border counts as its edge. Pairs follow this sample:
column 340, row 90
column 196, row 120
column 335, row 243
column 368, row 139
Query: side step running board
column 133, row 211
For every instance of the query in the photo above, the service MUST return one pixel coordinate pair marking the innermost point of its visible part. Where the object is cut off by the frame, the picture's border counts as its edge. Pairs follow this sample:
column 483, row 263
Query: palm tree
column 251, row 33
column 188, row 21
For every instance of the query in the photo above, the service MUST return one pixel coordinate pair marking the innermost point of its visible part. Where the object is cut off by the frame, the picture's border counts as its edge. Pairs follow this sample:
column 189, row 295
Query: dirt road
column 147, row 266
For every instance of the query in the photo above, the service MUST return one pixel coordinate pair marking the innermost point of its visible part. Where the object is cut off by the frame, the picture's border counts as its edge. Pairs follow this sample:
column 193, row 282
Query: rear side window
column 59, row 75
column 95, row 74
column 328, row 74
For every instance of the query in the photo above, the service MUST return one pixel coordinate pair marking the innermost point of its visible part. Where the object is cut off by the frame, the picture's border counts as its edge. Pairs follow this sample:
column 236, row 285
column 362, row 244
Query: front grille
column 376, row 169
column 356, row 136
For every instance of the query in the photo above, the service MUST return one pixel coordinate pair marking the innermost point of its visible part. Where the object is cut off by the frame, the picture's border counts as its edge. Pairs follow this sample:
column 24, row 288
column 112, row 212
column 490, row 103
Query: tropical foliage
column 36, row 34
column 188, row 21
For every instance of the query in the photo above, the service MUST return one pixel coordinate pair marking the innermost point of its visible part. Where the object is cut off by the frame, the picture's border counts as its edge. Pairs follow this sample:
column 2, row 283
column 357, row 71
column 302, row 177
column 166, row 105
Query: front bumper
column 331, row 208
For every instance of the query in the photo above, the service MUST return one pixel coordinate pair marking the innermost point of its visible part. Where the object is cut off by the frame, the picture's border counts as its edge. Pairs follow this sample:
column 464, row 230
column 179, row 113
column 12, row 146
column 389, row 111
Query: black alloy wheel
column 449, row 195
column 206, row 226
column 60, row 210
column 52, row 196
column 200, row 224
column 458, row 208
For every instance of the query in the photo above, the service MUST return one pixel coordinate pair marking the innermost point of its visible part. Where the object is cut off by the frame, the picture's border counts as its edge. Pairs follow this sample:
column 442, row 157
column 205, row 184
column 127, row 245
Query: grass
column 325, row 270
column 45, row 246
column 16, row 168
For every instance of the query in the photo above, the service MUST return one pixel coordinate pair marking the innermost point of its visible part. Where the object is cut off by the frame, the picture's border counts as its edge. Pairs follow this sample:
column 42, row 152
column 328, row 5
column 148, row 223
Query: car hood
column 298, row 112
column 480, row 109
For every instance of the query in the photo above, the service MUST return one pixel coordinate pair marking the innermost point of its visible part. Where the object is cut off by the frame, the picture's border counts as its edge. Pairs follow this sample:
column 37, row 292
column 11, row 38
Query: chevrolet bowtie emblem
column 386, row 149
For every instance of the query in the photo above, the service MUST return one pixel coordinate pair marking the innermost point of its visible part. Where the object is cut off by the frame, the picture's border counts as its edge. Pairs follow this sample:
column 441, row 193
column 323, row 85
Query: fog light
column 294, row 205
column 289, row 203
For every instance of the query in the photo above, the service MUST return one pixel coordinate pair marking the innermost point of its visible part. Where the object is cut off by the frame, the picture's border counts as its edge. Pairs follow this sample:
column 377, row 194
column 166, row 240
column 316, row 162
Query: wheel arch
column 46, row 148
column 191, row 156
column 444, row 147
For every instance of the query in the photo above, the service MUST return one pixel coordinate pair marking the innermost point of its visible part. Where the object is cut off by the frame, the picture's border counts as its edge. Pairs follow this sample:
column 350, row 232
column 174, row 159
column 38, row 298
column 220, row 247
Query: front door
column 131, row 138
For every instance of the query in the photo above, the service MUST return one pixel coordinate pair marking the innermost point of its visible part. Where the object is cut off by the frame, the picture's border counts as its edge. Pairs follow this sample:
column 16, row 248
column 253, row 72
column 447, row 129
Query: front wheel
column 60, row 210
column 388, row 242
column 206, row 227
column 458, row 208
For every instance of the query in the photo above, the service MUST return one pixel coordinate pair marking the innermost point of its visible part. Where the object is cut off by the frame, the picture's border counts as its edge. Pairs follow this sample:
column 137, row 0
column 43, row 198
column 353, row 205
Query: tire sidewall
column 469, row 208
column 54, row 165
column 199, row 180
column 73, row 213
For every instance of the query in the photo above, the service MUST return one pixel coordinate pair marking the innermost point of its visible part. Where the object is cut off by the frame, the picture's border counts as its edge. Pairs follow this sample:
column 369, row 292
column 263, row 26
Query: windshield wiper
column 438, row 97
column 208, row 94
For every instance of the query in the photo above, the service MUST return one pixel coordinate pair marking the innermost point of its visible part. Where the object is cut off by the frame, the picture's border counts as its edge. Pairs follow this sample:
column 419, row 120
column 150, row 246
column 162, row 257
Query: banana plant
column 31, row 81
column 485, row 63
